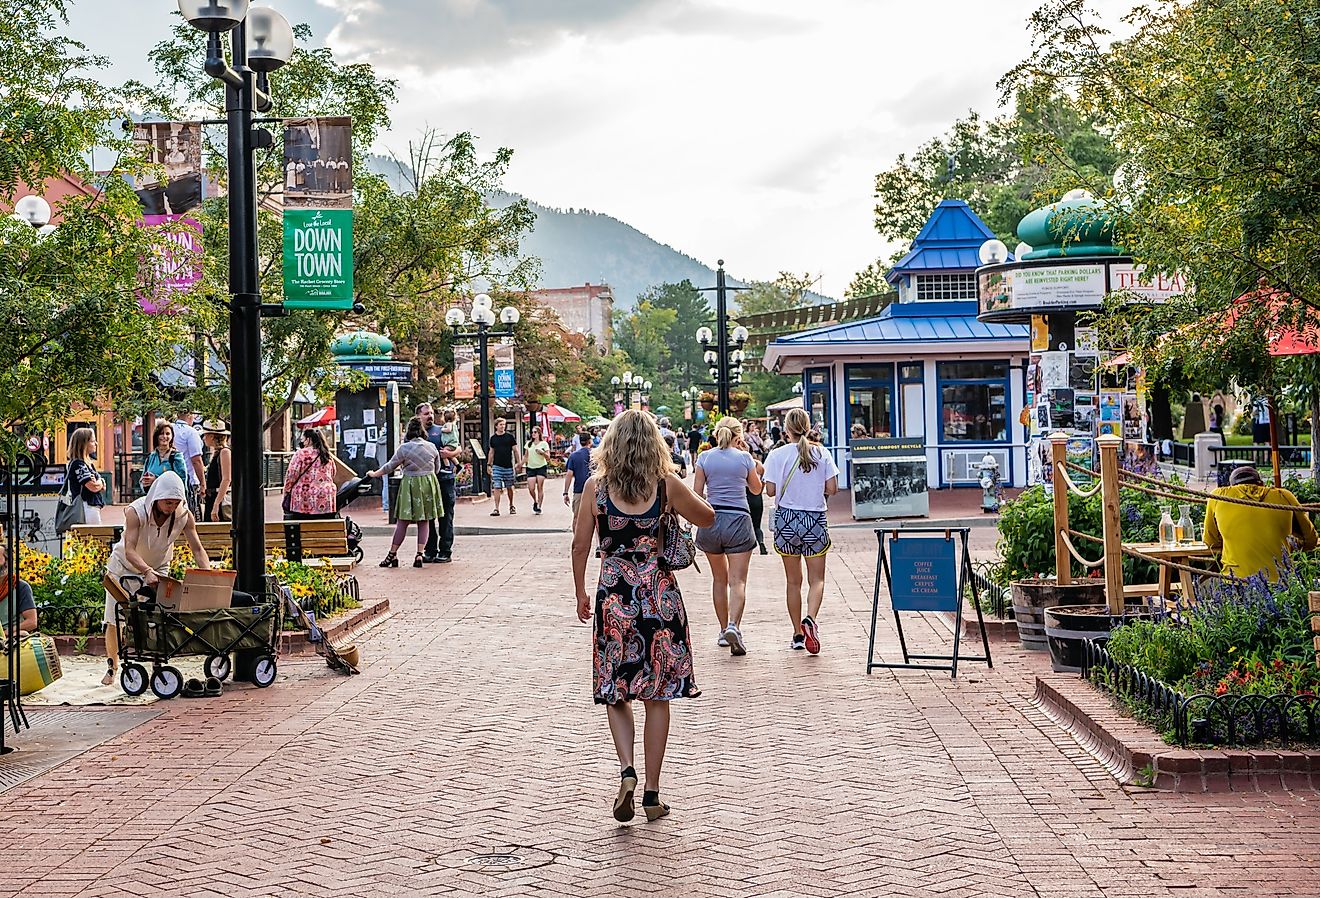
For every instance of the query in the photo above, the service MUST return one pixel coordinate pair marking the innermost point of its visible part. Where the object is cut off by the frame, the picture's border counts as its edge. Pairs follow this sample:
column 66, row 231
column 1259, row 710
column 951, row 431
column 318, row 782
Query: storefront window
column 973, row 401
column 817, row 400
column 872, row 408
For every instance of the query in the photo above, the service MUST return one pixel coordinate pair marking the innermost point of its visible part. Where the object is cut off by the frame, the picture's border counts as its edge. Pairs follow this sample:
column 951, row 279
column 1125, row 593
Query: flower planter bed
column 1136, row 756
column 1068, row 629
column 1032, row 597
column 1204, row 718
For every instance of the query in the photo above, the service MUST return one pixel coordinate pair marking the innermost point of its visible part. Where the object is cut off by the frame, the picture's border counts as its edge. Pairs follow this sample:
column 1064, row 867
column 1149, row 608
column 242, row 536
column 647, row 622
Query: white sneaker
column 723, row 640
column 733, row 636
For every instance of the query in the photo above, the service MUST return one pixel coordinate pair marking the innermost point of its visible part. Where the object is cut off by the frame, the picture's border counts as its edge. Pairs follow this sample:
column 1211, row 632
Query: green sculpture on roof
column 1077, row 225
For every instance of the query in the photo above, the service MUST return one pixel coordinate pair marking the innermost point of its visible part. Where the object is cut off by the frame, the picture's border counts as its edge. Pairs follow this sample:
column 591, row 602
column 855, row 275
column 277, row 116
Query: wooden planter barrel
column 1032, row 597
column 1067, row 628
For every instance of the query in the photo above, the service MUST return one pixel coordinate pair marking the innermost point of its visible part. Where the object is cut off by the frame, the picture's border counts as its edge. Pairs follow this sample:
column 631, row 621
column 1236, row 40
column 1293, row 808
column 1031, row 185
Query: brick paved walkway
column 472, row 731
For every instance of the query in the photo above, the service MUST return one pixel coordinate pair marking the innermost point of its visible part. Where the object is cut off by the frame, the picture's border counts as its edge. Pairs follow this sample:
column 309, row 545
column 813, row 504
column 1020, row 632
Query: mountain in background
column 577, row 246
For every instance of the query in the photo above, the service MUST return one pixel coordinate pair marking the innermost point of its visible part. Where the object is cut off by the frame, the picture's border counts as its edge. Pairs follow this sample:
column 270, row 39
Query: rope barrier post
column 1058, row 457
column 1274, row 442
column 1113, row 533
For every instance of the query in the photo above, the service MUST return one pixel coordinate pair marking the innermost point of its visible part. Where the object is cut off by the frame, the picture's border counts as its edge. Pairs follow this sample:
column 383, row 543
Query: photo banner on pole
column 504, row 385
column 176, row 263
column 465, row 379
column 173, row 150
column 318, row 213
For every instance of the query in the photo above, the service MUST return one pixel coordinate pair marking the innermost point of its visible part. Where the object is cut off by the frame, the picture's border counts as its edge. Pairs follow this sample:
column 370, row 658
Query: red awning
column 324, row 418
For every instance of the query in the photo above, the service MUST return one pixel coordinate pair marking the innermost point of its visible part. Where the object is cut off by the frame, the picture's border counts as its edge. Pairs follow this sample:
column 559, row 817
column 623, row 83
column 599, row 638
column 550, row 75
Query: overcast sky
column 747, row 130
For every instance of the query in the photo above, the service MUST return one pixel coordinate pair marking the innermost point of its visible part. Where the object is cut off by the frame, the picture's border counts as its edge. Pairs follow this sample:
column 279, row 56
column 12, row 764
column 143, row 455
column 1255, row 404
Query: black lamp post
column 261, row 41
column 483, row 317
column 627, row 385
column 727, row 356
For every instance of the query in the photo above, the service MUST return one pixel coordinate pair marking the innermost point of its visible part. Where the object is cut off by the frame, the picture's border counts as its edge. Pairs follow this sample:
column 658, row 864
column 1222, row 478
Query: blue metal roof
column 949, row 241
column 912, row 323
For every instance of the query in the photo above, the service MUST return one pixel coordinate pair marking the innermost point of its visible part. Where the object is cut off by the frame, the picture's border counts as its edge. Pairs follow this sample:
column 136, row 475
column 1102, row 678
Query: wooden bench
column 299, row 540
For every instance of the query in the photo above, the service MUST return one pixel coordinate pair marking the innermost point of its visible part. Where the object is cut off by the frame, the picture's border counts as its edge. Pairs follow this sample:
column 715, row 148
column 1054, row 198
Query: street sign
column 923, row 574
column 318, row 258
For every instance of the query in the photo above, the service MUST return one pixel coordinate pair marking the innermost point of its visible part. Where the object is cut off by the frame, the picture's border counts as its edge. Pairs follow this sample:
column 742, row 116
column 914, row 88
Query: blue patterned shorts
column 502, row 478
column 801, row 533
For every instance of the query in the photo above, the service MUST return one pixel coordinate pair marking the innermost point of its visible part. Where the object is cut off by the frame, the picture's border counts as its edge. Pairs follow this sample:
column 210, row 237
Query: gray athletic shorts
column 731, row 534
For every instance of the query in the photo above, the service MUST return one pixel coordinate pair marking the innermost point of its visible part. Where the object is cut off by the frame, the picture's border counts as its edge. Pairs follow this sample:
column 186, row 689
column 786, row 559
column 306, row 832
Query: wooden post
column 1274, row 442
column 1113, row 531
column 1062, row 560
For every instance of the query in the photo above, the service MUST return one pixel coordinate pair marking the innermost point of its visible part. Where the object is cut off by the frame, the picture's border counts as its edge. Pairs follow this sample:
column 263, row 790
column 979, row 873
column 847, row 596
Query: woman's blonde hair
column 78, row 442
column 798, row 424
column 632, row 457
column 727, row 429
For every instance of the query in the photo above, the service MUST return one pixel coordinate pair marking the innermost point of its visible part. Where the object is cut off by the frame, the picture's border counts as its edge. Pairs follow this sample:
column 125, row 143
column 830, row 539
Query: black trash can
column 1225, row 469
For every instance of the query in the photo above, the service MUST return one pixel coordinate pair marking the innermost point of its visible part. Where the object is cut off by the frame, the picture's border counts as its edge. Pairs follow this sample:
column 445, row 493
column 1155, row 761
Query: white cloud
column 749, row 130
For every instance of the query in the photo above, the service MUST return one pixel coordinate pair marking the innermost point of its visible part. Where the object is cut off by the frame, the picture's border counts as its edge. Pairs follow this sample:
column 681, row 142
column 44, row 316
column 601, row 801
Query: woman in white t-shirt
column 801, row 475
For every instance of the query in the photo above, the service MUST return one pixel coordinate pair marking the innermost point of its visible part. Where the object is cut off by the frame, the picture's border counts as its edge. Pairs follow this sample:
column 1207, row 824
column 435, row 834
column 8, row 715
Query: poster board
column 889, row 478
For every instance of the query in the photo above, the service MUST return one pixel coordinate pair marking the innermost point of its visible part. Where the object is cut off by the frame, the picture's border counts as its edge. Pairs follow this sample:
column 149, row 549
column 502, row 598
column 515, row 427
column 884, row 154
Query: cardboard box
column 198, row 590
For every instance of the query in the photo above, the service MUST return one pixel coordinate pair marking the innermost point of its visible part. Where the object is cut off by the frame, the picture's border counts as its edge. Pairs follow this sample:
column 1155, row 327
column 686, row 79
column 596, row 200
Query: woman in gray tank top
column 725, row 475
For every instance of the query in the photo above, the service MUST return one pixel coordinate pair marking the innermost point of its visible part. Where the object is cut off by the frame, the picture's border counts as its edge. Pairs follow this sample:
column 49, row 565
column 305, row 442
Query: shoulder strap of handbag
column 796, row 460
column 300, row 476
column 661, row 521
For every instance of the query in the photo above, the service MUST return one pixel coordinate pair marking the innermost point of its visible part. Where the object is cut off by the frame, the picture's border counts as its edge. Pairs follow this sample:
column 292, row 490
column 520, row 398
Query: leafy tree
column 644, row 335
column 870, row 281
column 75, row 333
column 1003, row 167
column 1212, row 105
column 788, row 291
column 692, row 310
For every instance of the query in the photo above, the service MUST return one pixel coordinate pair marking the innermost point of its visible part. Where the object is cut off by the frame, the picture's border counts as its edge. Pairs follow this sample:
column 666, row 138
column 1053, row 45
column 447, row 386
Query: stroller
column 351, row 490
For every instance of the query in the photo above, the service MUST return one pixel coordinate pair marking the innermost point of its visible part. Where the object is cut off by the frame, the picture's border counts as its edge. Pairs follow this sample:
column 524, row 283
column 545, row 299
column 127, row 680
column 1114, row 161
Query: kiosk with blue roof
column 924, row 370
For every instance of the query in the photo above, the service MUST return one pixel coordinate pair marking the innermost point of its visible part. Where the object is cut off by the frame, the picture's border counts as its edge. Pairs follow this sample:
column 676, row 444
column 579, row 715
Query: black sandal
column 418, row 562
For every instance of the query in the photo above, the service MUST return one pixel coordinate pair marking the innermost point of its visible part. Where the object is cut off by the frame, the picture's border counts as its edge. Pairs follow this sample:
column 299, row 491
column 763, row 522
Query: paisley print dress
column 641, row 648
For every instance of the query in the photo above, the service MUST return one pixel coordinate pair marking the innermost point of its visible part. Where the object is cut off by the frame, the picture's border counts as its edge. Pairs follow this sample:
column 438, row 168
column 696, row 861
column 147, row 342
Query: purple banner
column 176, row 266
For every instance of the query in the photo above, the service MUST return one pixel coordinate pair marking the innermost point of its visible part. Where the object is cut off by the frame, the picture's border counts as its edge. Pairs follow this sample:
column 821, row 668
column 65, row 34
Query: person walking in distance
column 440, row 540
column 219, row 472
column 577, row 469
column 801, row 476
column 756, row 501
column 419, row 493
column 538, row 465
column 164, row 456
column 309, row 484
column 189, row 443
column 505, row 459
column 640, row 650
column 725, row 474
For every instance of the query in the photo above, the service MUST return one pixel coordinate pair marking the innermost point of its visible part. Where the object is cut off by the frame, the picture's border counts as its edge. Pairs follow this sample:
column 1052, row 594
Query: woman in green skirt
column 419, row 494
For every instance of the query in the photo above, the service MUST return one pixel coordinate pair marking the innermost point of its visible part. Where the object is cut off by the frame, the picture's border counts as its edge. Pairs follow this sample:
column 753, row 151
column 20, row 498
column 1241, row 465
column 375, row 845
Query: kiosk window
column 973, row 402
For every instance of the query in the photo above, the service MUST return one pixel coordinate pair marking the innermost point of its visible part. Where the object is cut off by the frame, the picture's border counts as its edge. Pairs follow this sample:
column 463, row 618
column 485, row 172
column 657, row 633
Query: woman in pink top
column 310, row 481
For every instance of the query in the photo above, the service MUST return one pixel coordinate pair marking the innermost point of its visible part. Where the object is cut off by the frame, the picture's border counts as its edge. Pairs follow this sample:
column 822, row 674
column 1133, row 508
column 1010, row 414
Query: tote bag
column 71, row 508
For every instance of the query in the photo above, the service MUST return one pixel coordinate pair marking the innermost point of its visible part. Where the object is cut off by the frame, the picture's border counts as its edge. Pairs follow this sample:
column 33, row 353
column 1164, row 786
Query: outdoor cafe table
column 1182, row 553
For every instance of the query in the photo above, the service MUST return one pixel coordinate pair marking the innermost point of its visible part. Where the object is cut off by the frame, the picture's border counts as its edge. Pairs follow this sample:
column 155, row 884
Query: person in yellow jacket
column 1254, row 539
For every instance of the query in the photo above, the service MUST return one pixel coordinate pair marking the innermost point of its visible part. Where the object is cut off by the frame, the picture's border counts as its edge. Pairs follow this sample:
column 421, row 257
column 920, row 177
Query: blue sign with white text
column 924, row 574
column 503, row 383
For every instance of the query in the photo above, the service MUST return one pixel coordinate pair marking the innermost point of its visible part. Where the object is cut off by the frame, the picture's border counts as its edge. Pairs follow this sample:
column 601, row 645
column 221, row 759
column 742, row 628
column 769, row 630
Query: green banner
column 318, row 258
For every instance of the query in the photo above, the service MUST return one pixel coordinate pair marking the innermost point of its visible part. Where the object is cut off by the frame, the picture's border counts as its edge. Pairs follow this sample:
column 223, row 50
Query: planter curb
column 1136, row 757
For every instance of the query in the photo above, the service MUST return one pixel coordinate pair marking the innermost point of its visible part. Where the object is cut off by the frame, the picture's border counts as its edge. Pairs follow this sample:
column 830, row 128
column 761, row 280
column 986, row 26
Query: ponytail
column 798, row 424
column 727, row 430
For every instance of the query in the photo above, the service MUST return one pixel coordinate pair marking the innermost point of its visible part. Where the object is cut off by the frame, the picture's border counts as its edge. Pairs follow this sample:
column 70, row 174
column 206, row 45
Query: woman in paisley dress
column 641, row 650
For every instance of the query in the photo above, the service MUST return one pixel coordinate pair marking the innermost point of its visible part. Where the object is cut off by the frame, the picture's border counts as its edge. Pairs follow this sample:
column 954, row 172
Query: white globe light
column 481, row 301
column 704, row 335
column 992, row 252
column 1078, row 193
column 1021, row 250
column 627, row 377
column 646, row 386
column 34, row 210
column 615, row 380
column 797, row 387
column 483, row 315
column 213, row 15
column 510, row 315
column 740, row 334
column 270, row 39
column 455, row 318
column 714, row 372
column 710, row 357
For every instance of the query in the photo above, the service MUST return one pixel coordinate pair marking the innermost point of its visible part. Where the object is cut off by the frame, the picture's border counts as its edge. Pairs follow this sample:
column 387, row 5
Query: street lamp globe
column 714, row 372
column 797, row 388
column 992, row 252
column 481, row 301
column 647, row 386
column 34, row 210
column 615, row 380
column 270, row 39
column 710, row 357
column 740, row 334
column 627, row 377
column 483, row 315
column 704, row 335
column 213, row 16
column 46, row 230
column 455, row 318
column 737, row 356
column 510, row 315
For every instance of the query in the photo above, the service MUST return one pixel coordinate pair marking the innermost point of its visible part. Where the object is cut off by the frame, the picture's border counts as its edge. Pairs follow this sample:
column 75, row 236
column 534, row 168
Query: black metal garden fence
column 1203, row 718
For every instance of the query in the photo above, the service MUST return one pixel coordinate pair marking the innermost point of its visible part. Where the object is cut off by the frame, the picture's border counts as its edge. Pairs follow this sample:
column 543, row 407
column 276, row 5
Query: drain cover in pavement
column 503, row 860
